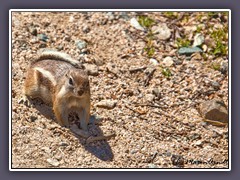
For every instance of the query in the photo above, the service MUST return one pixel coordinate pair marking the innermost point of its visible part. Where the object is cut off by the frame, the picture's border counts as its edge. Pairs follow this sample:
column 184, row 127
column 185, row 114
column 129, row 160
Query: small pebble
column 154, row 61
column 168, row 61
column 189, row 50
column 107, row 104
column 215, row 85
column 198, row 143
column 63, row 144
column 33, row 30
column 86, row 29
column 81, row 44
column 150, row 97
column 42, row 45
column 177, row 160
column 198, row 40
column 43, row 37
column 91, row 69
column 53, row 162
column 161, row 31
column 33, row 118
column 204, row 47
column 152, row 166
column 136, row 24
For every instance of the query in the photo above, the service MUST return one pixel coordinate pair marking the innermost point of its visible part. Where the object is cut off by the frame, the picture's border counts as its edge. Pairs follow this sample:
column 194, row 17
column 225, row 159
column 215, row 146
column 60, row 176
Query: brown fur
column 49, row 80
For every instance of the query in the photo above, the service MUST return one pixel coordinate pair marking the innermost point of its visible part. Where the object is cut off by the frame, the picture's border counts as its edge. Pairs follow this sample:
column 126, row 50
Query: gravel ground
column 155, row 89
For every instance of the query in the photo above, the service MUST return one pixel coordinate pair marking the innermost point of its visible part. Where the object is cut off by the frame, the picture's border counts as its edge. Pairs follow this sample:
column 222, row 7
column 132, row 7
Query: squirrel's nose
column 80, row 92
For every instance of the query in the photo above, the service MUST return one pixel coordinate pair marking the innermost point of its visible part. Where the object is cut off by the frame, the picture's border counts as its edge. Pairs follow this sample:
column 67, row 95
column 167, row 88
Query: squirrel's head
column 76, row 82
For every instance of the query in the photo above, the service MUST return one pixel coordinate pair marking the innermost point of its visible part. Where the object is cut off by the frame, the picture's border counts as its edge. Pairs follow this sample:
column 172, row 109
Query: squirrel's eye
column 71, row 81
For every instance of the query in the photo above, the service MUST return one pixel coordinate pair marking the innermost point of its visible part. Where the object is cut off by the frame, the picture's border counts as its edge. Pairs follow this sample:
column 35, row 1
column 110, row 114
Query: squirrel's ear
column 67, row 74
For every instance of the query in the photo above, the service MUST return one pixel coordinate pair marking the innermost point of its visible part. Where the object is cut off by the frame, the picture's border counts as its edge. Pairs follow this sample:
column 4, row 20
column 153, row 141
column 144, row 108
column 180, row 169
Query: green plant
column 150, row 50
column 212, row 14
column 166, row 72
column 170, row 14
column 216, row 66
column 199, row 29
column 182, row 42
column 185, row 18
column 199, row 17
column 220, row 37
column 205, row 57
column 145, row 21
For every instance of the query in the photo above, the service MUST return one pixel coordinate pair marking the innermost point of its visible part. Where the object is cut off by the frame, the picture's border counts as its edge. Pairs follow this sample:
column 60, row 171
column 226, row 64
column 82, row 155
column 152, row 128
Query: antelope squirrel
column 59, row 81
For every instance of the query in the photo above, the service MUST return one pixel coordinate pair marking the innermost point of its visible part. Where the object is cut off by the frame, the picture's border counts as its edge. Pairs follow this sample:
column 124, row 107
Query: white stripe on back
column 47, row 75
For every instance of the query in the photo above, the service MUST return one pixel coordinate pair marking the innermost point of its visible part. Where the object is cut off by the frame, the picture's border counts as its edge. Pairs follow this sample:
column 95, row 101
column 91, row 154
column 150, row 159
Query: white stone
column 53, row 162
column 150, row 97
column 168, row 61
column 71, row 19
column 154, row 61
column 107, row 104
column 198, row 40
column 204, row 48
column 162, row 31
column 136, row 24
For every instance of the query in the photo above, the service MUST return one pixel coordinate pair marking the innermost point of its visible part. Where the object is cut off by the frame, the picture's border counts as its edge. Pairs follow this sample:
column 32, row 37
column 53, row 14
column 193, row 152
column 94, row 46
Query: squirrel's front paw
column 24, row 100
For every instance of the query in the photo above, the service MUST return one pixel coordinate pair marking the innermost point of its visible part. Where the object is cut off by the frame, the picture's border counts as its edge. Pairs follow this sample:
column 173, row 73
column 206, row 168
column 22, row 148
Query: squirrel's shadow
column 101, row 149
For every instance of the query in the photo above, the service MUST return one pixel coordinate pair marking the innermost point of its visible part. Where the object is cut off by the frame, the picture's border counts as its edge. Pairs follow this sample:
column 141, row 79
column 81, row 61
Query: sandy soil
column 156, row 119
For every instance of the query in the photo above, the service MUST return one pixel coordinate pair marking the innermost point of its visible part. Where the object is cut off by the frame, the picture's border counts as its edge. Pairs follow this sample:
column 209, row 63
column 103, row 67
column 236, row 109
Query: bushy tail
column 46, row 53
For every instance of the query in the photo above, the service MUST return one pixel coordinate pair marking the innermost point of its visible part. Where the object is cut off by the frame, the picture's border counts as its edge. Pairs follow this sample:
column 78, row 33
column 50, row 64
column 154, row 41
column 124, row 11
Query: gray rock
column 177, row 160
column 224, row 67
column 84, row 51
column 194, row 136
column 124, row 15
column 63, row 144
column 91, row 69
column 107, row 104
column 53, row 126
column 110, row 16
column 43, row 37
column 198, row 143
column 134, row 151
column 81, row 44
column 215, row 135
column 157, row 93
column 168, row 153
column 162, row 31
column 215, row 85
column 86, row 29
column 189, row 50
column 150, row 97
column 214, row 110
column 32, row 30
column 110, row 67
column 60, row 47
column 42, row 45
column 198, row 40
column 67, row 38
column 95, row 119
column 177, row 61
column 33, row 118
column 46, row 150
